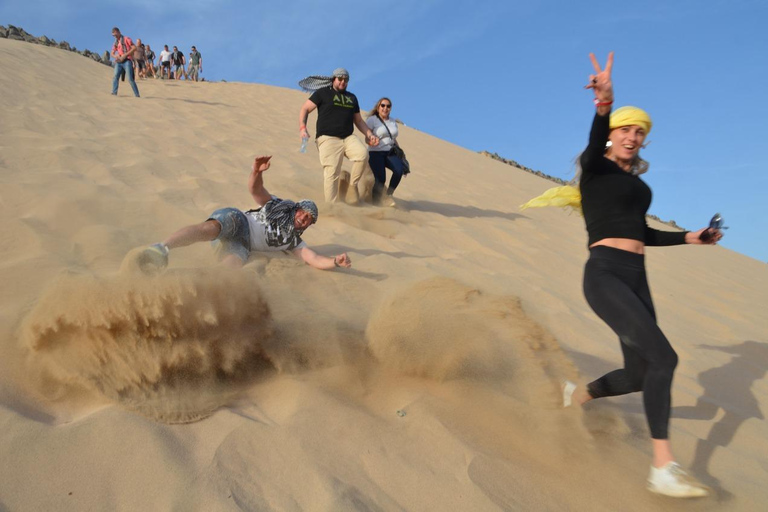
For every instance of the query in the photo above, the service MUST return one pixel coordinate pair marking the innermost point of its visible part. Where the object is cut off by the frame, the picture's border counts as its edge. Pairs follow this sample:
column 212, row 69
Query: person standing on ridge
column 139, row 59
column 178, row 64
column 195, row 64
column 150, row 60
column 165, row 63
column 122, row 51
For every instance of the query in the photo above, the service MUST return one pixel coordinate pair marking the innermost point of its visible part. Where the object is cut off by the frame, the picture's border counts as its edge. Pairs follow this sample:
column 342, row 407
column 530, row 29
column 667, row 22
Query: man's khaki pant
column 332, row 151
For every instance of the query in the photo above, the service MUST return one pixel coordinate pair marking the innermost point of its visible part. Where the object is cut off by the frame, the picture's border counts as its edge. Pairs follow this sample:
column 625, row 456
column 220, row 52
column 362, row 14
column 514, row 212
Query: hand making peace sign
column 601, row 81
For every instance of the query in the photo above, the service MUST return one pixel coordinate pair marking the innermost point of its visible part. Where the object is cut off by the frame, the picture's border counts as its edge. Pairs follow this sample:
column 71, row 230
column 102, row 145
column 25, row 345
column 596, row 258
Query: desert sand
column 426, row 377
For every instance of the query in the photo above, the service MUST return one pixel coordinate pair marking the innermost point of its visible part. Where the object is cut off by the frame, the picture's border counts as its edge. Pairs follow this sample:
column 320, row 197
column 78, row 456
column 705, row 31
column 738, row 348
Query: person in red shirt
column 122, row 52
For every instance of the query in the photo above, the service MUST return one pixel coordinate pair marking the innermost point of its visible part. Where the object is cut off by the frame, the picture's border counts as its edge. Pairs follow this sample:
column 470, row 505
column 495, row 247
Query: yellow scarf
column 564, row 197
column 627, row 116
column 568, row 196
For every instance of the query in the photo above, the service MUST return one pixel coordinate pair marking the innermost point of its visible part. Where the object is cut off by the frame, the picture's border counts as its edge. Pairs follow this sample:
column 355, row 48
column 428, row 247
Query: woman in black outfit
column 615, row 201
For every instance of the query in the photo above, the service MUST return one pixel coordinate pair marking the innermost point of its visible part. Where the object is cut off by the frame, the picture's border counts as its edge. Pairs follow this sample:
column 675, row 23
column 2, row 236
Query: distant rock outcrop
column 20, row 34
column 507, row 161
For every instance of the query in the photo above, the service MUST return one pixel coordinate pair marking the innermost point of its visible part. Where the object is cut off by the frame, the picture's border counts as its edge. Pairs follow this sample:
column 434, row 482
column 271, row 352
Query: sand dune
column 424, row 378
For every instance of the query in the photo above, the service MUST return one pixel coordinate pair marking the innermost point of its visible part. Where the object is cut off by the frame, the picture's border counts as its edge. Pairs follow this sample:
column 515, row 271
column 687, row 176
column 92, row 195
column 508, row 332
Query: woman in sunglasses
column 614, row 200
column 380, row 157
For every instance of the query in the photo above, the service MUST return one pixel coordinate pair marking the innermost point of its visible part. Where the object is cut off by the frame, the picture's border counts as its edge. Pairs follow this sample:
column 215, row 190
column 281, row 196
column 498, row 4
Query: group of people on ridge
column 614, row 201
column 134, row 59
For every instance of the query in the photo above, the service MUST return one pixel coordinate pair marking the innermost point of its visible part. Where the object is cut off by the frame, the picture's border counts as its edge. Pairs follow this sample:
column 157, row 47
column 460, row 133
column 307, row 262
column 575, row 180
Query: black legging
column 616, row 288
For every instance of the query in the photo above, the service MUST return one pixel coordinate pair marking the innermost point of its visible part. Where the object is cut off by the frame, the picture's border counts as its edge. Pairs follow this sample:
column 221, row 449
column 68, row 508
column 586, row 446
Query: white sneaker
column 568, row 389
column 672, row 480
column 154, row 258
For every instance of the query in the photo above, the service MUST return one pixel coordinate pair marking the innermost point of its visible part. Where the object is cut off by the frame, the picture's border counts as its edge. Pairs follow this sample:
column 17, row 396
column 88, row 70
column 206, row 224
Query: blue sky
column 503, row 76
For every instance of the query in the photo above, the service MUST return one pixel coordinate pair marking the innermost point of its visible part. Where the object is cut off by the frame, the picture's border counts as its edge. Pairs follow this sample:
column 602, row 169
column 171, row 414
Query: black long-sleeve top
column 613, row 200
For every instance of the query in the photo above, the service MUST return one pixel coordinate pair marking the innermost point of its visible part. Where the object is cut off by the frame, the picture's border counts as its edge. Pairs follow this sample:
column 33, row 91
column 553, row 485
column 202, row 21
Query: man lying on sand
column 276, row 225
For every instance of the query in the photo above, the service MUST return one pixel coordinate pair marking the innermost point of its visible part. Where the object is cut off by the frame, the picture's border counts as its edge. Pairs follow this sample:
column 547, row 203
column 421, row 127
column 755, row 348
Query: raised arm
column 370, row 138
column 256, row 182
column 306, row 108
column 602, row 86
column 315, row 260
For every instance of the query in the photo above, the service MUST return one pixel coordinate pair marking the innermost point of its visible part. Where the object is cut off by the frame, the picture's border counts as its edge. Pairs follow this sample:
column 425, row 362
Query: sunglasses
column 384, row 105
column 342, row 78
column 716, row 223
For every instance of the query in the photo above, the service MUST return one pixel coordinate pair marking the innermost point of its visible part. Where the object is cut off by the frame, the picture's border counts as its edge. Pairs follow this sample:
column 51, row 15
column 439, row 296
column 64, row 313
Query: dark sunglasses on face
column 342, row 78
column 384, row 105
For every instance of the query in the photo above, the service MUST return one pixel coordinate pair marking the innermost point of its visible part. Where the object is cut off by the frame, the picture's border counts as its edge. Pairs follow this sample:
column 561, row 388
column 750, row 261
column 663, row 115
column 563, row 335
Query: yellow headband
column 626, row 116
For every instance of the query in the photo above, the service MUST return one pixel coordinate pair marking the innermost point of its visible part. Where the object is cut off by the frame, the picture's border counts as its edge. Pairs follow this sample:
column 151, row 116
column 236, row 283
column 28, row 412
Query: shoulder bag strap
column 394, row 142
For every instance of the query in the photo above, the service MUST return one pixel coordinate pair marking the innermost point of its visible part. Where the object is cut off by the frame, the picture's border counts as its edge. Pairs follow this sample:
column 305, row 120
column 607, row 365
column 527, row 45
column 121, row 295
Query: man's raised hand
column 261, row 163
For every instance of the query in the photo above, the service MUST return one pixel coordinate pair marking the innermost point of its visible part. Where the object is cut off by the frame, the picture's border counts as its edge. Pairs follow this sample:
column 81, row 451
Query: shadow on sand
column 196, row 102
column 726, row 388
column 336, row 249
column 456, row 210
column 15, row 400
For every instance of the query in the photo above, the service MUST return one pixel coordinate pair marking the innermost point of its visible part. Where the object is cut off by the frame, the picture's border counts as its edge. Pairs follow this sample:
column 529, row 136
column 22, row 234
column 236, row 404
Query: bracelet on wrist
column 335, row 263
column 599, row 103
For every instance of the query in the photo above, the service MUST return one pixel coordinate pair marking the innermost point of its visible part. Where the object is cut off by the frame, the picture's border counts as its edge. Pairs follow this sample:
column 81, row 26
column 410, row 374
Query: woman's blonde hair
column 375, row 110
